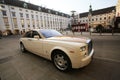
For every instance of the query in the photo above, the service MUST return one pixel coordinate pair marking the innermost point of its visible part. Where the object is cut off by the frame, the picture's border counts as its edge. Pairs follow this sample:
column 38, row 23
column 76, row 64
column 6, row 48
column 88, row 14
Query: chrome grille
column 90, row 46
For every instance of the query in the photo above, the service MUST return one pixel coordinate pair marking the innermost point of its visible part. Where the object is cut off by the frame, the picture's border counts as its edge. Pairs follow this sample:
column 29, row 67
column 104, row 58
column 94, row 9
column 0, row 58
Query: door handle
column 29, row 39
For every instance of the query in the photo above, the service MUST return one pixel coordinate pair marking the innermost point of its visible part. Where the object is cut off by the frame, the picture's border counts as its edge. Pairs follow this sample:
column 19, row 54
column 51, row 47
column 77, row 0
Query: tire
column 61, row 61
column 22, row 48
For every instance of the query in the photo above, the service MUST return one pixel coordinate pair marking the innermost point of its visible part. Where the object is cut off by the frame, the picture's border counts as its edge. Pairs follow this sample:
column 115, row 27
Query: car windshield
column 50, row 33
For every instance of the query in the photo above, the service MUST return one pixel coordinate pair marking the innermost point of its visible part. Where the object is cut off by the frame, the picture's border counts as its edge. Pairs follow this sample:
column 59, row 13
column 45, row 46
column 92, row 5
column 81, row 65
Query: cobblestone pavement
column 15, row 65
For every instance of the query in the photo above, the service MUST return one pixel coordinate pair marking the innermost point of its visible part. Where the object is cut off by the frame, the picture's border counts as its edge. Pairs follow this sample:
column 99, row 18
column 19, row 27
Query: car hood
column 71, row 39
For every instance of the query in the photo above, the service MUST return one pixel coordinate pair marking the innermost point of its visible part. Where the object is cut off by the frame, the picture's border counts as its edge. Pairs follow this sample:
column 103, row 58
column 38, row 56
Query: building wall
column 21, row 19
column 118, row 9
column 105, row 19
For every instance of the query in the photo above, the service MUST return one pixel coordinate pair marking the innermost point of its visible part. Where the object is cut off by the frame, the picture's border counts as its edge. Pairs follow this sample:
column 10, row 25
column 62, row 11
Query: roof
column 97, row 12
column 26, row 5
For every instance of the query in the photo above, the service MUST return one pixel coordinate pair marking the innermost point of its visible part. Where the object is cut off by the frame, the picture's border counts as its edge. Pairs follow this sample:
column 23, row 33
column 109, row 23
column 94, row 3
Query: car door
column 27, row 40
column 36, row 44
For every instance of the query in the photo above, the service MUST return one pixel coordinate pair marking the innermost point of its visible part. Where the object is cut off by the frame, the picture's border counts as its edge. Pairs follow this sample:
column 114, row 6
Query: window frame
column 35, row 34
column 28, row 33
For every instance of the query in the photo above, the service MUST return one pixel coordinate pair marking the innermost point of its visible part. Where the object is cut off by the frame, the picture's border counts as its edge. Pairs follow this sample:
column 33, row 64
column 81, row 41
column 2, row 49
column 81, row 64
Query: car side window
column 35, row 33
column 28, row 34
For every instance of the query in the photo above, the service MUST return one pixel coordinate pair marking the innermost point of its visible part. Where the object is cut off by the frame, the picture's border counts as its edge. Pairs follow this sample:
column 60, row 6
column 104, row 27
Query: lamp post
column 73, row 17
column 89, row 18
column 73, row 20
column 89, row 22
column 113, row 20
column 0, row 25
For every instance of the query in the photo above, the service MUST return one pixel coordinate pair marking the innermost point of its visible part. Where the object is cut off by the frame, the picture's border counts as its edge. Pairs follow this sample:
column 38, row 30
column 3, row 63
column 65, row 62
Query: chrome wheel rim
column 60, row 62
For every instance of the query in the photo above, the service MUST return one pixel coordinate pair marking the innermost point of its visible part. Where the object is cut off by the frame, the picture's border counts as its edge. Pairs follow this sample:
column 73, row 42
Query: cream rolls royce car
column 65, row 52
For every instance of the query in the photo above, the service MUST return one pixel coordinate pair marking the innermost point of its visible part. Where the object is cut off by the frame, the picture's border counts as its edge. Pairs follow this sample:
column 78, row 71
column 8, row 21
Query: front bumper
column 81, row 62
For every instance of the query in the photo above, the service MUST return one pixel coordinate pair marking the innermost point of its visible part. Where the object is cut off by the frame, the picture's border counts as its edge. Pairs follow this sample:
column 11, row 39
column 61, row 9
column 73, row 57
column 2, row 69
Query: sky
column 80, row 6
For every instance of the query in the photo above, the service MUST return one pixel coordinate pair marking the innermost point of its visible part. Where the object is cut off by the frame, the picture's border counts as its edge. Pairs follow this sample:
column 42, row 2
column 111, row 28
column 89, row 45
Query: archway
column 16, row 31
column 8, row 32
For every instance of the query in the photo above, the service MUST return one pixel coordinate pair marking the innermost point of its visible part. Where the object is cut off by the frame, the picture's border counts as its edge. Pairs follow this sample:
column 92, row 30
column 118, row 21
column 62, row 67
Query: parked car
column 65, row 52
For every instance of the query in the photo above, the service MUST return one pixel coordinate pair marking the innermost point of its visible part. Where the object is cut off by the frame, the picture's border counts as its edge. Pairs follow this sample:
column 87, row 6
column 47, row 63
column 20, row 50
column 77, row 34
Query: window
column 25, row 5
column 33, row 22
column 13, row 14
column 28, row 34
column 104, row 18
column 4, row 13
column 22, row 26
column 28, row 25
column 27, row 15
column 32, row 16
column 33, row 26
column 37, row 17
column 2, row 6
column 6, row 21
column 89, row 19
column 21, row 14
column 50, row 33
column 39, row 8
column 49, row 11
column 28, row 21
column 12, row 8
column 96, row 19
column 20, row 9
column 35, row 33
column 37, row 23
column 26, row 10
column 22, row 23
column 15, row 22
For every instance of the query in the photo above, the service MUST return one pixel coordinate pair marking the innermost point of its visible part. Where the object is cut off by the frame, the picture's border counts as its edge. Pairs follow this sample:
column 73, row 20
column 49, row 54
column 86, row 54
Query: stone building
column 18, row 17
column 93, row 18
column 118, row 9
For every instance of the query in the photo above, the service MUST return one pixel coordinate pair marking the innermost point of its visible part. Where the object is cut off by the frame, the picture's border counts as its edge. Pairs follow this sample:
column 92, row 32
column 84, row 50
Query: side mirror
column 36, row 37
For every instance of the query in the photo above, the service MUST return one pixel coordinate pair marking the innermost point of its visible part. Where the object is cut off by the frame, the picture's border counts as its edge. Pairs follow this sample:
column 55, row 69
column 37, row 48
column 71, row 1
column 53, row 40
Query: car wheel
column 61, row 61
column 22, row 47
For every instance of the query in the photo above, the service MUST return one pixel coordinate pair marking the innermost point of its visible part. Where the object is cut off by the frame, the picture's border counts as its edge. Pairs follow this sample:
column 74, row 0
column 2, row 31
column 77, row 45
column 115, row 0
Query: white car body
column 69, row 45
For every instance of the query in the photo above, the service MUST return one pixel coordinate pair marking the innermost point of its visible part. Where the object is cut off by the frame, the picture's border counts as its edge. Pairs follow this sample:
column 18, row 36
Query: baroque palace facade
column 18, row 17
column 104, row 17
column 118, row 9
column 107, row 17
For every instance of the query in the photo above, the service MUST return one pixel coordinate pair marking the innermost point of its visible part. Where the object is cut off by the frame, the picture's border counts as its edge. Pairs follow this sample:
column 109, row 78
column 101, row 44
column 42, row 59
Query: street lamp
column 89, row 22
column 0, row 12
column 113, row 20
column 73, row 20
column 89, row 18
column 73, row 16
column 1, row 34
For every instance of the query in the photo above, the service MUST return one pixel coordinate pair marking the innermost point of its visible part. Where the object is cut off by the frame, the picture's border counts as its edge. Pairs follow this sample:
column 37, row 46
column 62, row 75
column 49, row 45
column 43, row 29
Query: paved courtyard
column 15, row 65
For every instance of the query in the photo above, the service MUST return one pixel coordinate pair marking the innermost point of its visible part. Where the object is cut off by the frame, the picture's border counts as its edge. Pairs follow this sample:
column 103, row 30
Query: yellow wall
column 118, row 8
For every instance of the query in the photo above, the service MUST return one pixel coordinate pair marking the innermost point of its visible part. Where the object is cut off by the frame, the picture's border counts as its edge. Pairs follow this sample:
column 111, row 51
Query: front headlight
column 83, row 48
